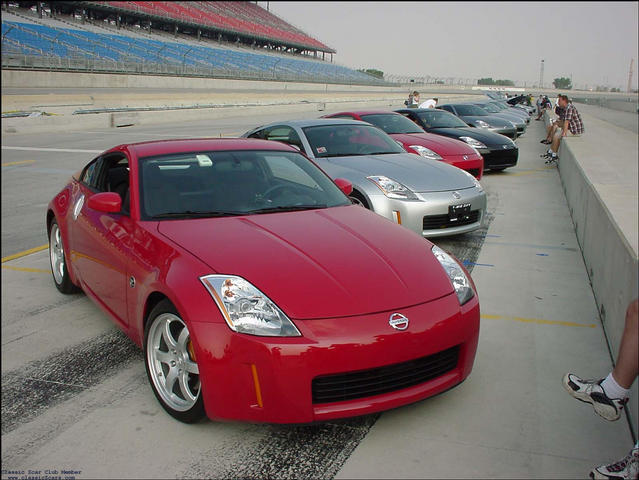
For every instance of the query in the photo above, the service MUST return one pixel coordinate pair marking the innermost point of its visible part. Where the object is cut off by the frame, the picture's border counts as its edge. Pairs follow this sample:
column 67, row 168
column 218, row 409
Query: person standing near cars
column 430, row 103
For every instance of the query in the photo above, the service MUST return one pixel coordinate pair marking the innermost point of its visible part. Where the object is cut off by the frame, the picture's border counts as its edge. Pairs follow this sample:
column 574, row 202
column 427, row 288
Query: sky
column 591, row 42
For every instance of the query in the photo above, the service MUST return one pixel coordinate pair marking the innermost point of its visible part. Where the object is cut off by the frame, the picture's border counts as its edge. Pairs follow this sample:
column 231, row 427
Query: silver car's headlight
column 481, row 124
column 475, row 181
column 461, row 283
column 392, row 188
column 426, row 152
column 473, row 142
column 246, row 309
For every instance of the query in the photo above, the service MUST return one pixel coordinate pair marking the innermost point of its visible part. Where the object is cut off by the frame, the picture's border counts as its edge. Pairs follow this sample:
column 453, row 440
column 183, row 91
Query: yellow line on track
column 21, row 162
column 531, row 172
column 25, row 253
column 25, row 269
column 539, row 321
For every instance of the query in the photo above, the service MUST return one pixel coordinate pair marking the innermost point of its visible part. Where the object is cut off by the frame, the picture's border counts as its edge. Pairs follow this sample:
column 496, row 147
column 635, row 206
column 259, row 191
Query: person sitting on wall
column 572, row 126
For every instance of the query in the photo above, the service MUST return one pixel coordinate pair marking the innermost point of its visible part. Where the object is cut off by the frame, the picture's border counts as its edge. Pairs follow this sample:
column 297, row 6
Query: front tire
column 358, row 199
column 58, row 262
column 171, row 365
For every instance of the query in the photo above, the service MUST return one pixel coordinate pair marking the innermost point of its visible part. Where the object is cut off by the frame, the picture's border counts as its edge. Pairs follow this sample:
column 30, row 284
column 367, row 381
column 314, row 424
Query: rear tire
column 172, row 371
column 57, row 259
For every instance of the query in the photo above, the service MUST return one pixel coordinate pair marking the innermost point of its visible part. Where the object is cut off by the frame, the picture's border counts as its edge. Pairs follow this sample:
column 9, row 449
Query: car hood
column 437, row 143
column 328, row 263
column 488, row 138
column 417, row 173
column 489, row 119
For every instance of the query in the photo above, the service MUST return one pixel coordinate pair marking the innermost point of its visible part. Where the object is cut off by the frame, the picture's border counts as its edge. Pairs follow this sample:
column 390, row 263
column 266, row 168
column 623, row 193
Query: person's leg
column 609, row 395
column 627, row 367
column 556, row 139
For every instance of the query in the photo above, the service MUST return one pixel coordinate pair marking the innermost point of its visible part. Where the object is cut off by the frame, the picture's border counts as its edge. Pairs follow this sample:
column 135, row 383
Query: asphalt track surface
column 74, row 389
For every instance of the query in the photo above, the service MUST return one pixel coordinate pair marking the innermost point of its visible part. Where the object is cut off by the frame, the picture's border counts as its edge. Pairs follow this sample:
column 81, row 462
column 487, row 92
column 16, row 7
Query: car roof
column 313, row 122
column 366, row 112
column 420, row 109
column 162, row 147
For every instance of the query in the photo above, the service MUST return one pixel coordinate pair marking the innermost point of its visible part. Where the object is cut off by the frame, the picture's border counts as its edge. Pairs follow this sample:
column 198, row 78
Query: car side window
column 257, row 134
column 109, row 174
column 347, row 117
column 284, row 134
column 89, row 175
column 448, row 108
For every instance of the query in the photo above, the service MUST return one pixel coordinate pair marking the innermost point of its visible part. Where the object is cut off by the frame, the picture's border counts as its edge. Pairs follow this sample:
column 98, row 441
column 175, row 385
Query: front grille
column 377, row 381
column 432, row 222
column 499, row 158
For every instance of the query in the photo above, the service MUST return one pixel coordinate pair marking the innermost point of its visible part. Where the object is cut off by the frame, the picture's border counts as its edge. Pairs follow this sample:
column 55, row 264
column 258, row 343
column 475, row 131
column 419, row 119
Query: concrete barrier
column 599, row 175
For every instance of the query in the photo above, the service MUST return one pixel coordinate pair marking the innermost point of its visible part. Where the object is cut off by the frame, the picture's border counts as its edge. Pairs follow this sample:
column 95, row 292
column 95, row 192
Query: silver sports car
column 429, row 197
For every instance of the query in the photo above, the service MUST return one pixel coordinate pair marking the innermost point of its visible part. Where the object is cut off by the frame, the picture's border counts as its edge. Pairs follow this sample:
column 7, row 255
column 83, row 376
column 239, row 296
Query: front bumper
column 269, row 379
column 429, row 216
column 474, row 166
column 500, row 157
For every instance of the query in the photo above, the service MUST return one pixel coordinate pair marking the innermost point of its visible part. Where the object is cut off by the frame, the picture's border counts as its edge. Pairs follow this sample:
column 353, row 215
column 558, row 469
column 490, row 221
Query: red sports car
column 415, row 140
column 255, row 288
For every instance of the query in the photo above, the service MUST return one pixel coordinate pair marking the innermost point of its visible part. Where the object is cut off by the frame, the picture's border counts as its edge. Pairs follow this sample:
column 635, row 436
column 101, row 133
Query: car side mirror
column 107, row 202
column 344, row 185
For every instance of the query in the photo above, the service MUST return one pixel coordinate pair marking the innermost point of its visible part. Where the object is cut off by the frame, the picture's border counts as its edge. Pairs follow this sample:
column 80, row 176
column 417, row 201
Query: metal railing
column 12, row 58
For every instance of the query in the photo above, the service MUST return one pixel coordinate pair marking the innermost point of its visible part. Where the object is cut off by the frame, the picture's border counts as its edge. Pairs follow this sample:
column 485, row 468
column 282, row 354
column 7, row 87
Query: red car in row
column 256, row 289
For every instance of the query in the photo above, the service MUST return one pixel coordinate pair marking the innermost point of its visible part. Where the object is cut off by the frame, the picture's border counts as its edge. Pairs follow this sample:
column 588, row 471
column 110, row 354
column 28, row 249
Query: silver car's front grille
column 434, row 222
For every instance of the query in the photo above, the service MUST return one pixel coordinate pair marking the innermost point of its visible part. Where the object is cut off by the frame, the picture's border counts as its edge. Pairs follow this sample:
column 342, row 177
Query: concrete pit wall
column 599, row 175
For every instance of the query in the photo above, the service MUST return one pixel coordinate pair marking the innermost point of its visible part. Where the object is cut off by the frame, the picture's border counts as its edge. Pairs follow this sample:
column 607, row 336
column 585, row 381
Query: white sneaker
column 626, row 468
column 590, row 391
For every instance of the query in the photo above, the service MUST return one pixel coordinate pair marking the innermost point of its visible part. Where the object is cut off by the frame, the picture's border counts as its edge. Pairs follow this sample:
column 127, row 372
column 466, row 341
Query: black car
column 499, row 151
column 477, row 117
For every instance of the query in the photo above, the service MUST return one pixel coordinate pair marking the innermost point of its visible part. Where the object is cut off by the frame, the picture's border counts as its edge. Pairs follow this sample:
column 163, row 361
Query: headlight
column 475, row 181
column 392, row 188
column 426, row 152
column 481, row 124
column 513, row 124
column 456, row 274
column 246, row 309
column 473, row 142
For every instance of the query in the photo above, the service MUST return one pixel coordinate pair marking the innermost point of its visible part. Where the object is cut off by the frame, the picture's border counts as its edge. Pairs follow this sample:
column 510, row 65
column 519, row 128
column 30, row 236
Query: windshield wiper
column 189, row 213
column 286, row 208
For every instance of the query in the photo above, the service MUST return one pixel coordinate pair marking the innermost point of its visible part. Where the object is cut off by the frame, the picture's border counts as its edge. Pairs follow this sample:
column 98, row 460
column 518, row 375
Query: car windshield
column 440, row 119
column 392, row 123
column 225, row 183
column 490, row 108
column 349, row 140
column 499, row 105
column 471, row 110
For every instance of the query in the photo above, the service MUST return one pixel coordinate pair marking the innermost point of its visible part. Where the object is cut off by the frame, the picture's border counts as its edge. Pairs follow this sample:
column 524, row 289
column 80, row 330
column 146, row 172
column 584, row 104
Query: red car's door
column 101, row 241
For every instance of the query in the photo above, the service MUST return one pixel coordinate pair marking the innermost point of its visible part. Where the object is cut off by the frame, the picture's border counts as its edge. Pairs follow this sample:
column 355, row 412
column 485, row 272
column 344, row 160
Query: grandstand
column 212, row 39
